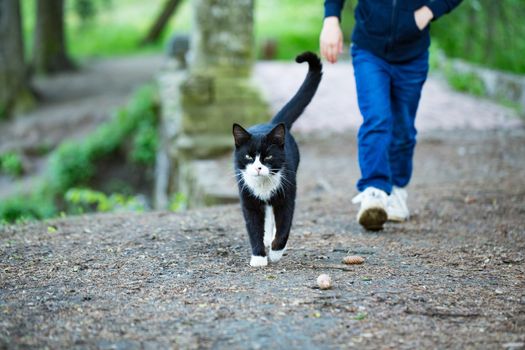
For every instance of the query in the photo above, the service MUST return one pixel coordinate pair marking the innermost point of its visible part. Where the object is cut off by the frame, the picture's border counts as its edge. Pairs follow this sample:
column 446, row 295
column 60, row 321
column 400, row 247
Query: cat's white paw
column 276, row 255
column 257, row 261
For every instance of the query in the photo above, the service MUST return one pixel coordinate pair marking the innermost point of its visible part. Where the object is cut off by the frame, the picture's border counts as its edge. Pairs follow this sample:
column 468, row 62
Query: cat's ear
column 277, row 135
column 240, row 135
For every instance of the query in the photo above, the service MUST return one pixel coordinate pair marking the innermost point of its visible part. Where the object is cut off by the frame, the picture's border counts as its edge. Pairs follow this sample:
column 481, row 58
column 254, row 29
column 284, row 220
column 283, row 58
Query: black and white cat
column 266, row 158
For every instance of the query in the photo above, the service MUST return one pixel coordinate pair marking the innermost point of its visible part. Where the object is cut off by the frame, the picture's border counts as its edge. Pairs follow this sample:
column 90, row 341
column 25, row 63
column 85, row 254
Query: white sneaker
column 372, row 214
column 397, row 208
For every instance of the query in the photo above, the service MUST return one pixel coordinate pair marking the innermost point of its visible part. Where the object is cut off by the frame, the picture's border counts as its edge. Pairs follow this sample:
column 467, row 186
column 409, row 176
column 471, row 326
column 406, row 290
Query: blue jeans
column 388, row 95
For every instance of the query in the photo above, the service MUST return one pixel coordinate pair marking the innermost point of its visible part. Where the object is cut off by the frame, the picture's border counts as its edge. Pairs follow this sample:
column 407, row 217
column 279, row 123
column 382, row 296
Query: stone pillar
column 201, row 103
column 223, row 36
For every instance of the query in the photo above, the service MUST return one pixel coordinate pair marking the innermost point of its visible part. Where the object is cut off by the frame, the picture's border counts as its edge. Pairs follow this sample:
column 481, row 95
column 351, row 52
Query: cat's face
column 260, row 159
column 259, row 155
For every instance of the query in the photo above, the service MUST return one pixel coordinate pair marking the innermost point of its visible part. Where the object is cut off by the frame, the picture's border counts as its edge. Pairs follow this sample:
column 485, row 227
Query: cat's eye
column 268, row 158
column 248, row 157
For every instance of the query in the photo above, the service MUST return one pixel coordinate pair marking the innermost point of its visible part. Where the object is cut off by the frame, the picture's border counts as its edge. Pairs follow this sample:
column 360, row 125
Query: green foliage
column 465, row 82
column 107, row 27
column 85, row 9
column 74, row 163
column 487, row 32
column 70, row 165
column 178, row 202
column 3, row 111
column 82, row 200
column 11, row 164
column 22, row 208
column 145, row 144
column 294, row 25
column 13, row 209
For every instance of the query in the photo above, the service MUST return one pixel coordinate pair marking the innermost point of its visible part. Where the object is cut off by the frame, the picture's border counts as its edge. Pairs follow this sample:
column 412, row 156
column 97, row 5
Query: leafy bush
column 145, row 142
column 74, row 163
column 70, row 165
column 83, row 200
column 178, row 202
column 21, row 208
column 11, row 164
column 465, row 82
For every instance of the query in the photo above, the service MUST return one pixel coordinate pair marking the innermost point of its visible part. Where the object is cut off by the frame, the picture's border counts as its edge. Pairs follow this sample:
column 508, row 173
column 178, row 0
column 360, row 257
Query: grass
column 294, row 25
column 472, row 31
column 118, row 27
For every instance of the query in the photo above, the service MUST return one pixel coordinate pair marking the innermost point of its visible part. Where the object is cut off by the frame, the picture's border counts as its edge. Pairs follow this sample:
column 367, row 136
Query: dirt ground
column 452, row 277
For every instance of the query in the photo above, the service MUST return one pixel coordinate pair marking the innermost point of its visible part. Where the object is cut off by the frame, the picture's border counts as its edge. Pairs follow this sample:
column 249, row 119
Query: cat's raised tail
column 295, row 107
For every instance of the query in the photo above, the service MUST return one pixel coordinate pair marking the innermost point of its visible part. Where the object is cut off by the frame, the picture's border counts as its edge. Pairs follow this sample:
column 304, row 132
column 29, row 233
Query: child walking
column 389, row 51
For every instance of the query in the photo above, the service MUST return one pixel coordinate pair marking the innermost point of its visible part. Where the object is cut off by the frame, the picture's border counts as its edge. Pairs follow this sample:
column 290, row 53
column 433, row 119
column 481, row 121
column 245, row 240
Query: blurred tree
column 15, row 93
column 170, row 6
column 49, row 50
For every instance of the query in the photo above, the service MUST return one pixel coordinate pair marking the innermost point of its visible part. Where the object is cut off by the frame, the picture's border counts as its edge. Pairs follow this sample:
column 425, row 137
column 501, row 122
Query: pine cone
column 353, row 259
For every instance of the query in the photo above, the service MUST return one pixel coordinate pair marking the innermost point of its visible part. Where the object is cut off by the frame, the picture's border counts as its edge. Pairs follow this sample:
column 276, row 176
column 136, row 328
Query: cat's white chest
column 263, row 187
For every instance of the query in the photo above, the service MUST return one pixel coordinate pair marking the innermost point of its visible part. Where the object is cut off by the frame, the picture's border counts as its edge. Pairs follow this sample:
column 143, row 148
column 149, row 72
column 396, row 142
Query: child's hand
column 423, row 16
column 331, row 39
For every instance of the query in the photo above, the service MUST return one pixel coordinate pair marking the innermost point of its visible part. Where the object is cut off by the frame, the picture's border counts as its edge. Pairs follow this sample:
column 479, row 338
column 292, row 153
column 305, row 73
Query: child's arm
column 331, row 38
column 441, row 7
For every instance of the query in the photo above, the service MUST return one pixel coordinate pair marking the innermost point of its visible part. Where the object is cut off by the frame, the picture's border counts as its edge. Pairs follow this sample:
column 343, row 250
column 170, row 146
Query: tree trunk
column 14, row 87
column 49, row 51
column 170, row 6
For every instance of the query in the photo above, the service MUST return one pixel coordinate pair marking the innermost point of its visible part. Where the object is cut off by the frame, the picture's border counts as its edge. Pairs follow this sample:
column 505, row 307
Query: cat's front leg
column 269, row 226
column 283, row 222
column 254, row 218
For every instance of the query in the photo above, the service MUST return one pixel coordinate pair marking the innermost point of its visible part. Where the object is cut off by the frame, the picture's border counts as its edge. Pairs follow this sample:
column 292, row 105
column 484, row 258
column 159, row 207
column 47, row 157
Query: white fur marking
column 257, row 168
column 269, row 226
column 276, row 255
column 260, row 181
column 257, row 261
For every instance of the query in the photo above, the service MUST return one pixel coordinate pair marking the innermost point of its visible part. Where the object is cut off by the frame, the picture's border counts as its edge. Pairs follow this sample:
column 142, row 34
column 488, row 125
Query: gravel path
column 452, row 277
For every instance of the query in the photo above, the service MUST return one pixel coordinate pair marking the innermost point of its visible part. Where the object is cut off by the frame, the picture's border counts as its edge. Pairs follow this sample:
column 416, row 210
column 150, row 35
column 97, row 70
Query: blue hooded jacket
column 388, row 29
